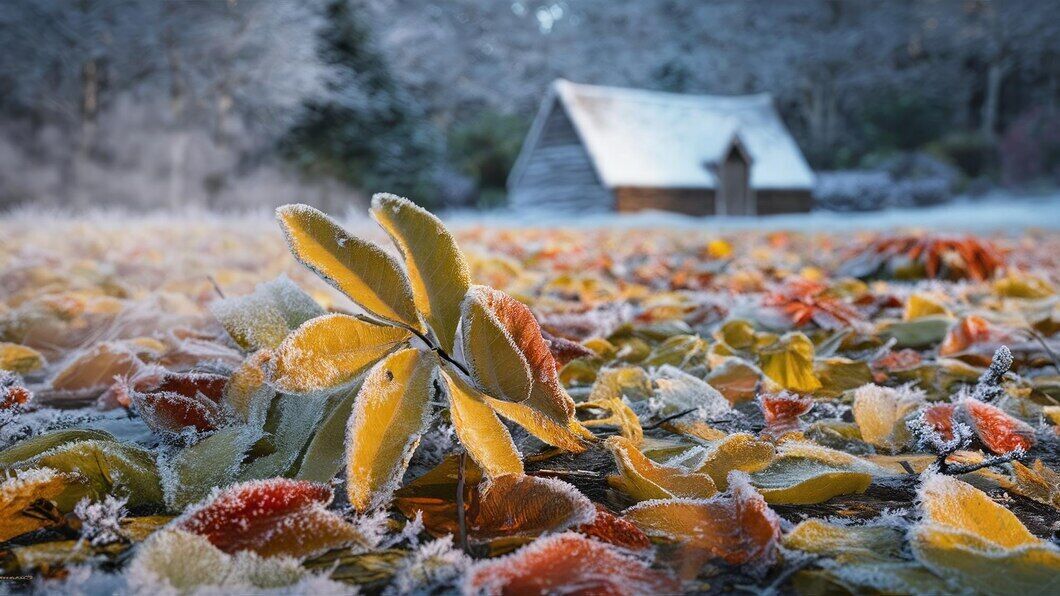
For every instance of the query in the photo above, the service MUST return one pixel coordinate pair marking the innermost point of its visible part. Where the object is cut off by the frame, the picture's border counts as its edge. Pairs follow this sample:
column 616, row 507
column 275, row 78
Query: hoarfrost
column 432, row 568
column 101, row 520
column 677, row 390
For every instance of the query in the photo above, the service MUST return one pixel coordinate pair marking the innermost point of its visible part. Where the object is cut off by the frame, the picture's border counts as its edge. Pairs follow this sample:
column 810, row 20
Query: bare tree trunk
column 89, row 112
column 995, row 76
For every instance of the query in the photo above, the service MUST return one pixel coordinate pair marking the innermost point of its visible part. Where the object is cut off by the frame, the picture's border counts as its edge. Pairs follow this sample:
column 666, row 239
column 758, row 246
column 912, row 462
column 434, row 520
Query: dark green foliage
column 902, row 120
column 365, row 129
column 485, row 148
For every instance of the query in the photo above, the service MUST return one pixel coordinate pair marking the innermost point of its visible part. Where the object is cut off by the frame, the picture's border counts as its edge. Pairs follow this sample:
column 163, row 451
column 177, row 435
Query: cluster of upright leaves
column 427, row 336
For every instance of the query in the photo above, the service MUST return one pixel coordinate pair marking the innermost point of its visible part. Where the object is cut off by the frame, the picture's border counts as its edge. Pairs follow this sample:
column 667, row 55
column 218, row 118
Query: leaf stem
column 663, row 421
column 438, row 349
column 460, row 521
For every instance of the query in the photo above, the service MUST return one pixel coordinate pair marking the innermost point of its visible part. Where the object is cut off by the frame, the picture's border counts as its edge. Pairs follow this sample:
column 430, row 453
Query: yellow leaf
column 719, row 249
column 329, row 351
column 358, row 268
column 440, row 275
column 389, row 416
column 804, row 473
column 739, row 451
column 486, row 438
column 923, row 305
column 846, row 544
column 1017, row 285
column 20, row 359
column 880, row 415
column 790, row 363
column 19, row 491
column 968, row 538
column 1039, row 482
column 643, row 479
column 570, row 436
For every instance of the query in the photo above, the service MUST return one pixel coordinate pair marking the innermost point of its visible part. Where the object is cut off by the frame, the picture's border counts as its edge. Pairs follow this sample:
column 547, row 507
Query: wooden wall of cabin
column 690, row 201
column 558, row 173
column 783, row 201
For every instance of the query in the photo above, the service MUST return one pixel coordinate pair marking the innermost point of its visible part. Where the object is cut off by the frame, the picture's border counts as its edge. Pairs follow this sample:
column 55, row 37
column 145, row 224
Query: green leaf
column 439, row 274
column 34, row 446
column 264, row 318
column 324, row 455
column 214, row 461
column 923, row 332
column 298, row 419
column 358, row 268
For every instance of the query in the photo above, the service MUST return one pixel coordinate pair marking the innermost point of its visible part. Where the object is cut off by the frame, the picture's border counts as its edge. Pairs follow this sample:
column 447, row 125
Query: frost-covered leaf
column 261, row 320
column 439, row 274
column 736, row 526
column 389, row 416
column 559, row 563
column 34, row 446
column 643, row 479
column 781, row 412
column 736, row 379
column 275, row 517
column 490, row 323
column 790, row 363
column 846, row 543
column 106, row 466
column 19, row 490
column 919, row 333
column 838, row 375
column 175, row 561
column 496, row 360
column 677, row 391
column 297, row 419
column 880, row 414
column 738, row 451
column 480, row 431
column 194, row 471
column 999, row 431
column 920, row 305
column 96, row 368
column 978, row 544
column 180, row 400
column 19, row 359
column 247, row 394
column 331, row 351
column 1039, row 482
column 609, row 528
column 571, row 436
column 324, row 456
column 804, row 473
column 358, row 268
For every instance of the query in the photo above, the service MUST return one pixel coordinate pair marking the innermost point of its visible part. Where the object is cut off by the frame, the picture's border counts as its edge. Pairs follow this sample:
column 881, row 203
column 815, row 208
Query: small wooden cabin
column 594, row 149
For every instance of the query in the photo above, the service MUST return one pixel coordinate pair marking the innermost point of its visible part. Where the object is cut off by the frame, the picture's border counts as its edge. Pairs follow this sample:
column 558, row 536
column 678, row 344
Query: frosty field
column 232, row 404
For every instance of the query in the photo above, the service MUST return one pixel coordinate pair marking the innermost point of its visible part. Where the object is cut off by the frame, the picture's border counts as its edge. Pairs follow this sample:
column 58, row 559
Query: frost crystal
column 101, row 520
column 434, row 567
column 989, row 388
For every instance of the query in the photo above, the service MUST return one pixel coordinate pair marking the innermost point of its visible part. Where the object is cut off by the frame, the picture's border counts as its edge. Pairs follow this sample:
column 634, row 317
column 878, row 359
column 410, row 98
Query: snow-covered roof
column 666, row 140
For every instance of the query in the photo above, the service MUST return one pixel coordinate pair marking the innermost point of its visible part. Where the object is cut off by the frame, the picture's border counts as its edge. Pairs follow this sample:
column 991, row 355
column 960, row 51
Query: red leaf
column 1000, row 432
column 271, row 517
column 614, row 530
column 782, row 411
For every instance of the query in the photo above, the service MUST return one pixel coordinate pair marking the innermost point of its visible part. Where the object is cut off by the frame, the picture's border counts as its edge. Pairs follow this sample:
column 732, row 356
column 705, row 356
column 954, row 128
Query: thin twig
column 579, row 473
column 663, row 421
column 905, row 466
column 460, row 521
column 1045, row 344
column 216, row 286
column 953, row 470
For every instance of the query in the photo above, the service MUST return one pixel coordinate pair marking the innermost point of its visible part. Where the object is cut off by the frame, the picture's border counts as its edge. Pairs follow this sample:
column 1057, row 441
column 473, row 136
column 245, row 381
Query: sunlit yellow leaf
column 1022, row 285
column 20, row 359
column 880, row 415
column 20, row 490
column 330, row 351
column 968, row 538
column 804, row 473
column 570, row 436
column 358, row 268
column 643, row 479
column 846, row 544
column 439, row 274
column 923, row 305
column 390, row 413
column 738, row 451
column 486, row 438
column 790, row 363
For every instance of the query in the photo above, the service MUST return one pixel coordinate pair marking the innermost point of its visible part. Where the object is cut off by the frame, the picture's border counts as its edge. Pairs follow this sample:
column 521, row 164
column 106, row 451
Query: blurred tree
column 485, row 149
column 364, row 128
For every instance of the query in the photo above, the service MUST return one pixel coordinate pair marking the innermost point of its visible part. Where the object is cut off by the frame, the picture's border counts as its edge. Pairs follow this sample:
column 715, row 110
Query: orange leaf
column 1000, row 432
column 571, row 564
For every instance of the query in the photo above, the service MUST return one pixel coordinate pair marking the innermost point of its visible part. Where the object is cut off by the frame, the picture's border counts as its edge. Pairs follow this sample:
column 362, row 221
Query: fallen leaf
column 643, row 479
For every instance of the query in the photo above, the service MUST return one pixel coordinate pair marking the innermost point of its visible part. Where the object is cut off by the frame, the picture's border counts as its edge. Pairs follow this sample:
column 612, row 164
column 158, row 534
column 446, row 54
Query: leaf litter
column 684, row 413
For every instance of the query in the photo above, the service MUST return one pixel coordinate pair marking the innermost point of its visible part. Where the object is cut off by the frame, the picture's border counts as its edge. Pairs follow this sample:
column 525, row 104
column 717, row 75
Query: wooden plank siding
column 689, row 201
column 558, row 173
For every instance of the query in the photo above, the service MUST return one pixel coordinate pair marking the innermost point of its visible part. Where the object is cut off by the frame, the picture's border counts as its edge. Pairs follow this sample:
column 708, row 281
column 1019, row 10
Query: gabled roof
column 666, row 140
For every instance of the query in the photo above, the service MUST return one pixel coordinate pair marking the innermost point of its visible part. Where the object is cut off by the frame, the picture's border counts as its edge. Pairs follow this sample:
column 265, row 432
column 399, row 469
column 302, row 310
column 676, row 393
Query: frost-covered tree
column 364, row 128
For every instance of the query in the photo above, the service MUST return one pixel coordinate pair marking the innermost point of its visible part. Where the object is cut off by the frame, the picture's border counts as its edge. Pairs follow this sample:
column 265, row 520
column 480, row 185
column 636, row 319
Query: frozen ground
column 993, row 212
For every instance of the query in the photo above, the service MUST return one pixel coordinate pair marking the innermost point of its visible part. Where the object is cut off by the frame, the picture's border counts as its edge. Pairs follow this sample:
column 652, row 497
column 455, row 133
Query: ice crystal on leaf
column 101, row 520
